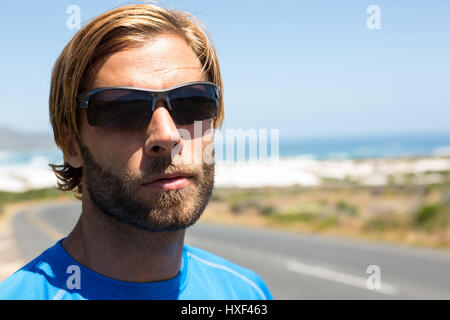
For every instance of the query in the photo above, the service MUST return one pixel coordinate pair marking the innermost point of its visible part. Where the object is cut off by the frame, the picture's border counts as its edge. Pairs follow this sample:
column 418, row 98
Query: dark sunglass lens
column 119, row 108
column 194, row 102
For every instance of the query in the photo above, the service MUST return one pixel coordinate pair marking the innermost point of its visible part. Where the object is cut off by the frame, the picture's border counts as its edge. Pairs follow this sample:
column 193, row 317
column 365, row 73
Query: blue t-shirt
column 56, row 275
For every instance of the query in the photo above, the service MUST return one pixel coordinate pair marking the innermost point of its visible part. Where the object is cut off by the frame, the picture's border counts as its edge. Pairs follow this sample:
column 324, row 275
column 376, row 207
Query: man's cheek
column 208, row 153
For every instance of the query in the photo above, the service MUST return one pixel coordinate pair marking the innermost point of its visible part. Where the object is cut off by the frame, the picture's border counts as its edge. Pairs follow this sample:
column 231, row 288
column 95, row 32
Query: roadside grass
column 417, row 215
column 35, row 194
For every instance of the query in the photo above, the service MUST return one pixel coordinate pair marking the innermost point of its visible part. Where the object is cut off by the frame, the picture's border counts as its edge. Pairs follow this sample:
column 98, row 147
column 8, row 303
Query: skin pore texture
column 127, row 231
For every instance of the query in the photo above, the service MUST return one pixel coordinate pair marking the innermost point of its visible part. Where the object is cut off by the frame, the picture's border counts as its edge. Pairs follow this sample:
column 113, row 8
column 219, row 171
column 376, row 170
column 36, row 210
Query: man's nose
column 162, row 133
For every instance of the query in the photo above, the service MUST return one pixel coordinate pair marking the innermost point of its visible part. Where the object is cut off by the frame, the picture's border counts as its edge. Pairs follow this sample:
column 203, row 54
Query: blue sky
column 308, row 68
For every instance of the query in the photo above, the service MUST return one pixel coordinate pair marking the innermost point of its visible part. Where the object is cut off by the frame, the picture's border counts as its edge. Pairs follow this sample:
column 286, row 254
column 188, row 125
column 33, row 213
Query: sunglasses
column 132, row 108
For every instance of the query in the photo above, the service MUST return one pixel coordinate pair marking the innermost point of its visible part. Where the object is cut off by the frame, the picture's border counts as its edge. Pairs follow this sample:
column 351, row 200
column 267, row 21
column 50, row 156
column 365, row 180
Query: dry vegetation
column 414, row 215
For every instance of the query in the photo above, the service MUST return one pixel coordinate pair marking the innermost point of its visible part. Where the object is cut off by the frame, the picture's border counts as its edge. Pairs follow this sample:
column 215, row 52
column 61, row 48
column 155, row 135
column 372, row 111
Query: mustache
column 165, row 165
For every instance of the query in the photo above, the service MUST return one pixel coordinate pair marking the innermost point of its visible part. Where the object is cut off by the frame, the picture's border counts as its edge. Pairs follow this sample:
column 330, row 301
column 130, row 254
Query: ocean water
column 340, row 148
column 23, row 157
column 368, row 147
column 300, row 161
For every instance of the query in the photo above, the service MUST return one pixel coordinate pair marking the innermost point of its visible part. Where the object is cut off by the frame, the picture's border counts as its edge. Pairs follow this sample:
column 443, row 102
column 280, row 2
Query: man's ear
column 74, row 157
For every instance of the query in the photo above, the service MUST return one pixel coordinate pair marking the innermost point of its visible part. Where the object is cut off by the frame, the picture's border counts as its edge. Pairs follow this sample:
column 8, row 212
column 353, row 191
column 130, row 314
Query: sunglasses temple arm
column 82, row 101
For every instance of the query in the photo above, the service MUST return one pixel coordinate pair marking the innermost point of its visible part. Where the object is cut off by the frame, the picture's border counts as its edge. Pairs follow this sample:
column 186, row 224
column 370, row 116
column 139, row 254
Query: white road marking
column 336, row 276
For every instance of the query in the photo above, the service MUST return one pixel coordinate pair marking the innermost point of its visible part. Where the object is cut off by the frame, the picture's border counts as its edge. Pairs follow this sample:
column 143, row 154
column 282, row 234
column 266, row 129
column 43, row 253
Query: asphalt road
column 294, row 266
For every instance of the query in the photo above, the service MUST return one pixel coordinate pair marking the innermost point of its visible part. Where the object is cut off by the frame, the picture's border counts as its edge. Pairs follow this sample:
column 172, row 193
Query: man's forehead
column 156, row 79
column 161, row 63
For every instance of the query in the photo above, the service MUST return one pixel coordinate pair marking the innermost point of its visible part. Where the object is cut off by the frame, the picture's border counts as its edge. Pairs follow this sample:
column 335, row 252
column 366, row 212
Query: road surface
column 294, row 266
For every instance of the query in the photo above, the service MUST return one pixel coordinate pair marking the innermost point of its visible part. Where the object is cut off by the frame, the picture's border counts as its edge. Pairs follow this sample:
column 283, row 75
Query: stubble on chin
column 122, row 197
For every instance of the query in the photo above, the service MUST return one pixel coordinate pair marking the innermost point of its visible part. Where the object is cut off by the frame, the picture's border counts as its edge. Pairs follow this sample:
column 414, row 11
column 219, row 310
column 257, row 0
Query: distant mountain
column 15, row 140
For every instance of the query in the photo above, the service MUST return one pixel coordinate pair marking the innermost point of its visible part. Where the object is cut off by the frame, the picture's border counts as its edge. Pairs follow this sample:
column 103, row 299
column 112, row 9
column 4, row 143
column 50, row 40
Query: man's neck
column 123, row 252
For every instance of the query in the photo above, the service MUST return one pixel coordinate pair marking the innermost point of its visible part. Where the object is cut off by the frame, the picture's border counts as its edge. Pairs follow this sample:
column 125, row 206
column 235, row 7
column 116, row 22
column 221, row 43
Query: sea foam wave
column 282, row 172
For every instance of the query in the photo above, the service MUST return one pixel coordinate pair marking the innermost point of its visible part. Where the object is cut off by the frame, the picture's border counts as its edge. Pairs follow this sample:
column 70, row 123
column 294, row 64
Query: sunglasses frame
column 83, row 98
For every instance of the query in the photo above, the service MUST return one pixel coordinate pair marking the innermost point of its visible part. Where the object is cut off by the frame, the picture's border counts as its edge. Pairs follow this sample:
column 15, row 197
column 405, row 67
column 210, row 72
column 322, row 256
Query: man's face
column 116, row 162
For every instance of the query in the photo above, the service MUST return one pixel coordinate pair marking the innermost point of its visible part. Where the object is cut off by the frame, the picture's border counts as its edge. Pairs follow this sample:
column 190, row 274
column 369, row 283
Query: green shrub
column 319, row 221
column 432, row 216
column 327, row 222
column 267, row 210
column 346, row 207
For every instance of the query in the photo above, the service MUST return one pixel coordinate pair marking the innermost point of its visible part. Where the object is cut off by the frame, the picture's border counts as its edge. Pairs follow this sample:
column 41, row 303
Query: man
column 134, row 100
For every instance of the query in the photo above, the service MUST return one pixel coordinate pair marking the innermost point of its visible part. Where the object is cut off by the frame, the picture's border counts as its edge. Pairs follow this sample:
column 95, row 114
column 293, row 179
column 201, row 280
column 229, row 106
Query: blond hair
column 125, row 27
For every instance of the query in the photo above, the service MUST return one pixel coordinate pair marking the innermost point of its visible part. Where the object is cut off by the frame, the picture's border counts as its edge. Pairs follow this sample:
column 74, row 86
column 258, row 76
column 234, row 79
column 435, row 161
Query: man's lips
column 167, row 176
column 172, row 181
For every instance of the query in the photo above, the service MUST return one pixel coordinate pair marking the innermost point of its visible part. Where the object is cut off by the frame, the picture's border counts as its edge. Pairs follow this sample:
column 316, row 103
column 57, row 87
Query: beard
column 123, row 198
